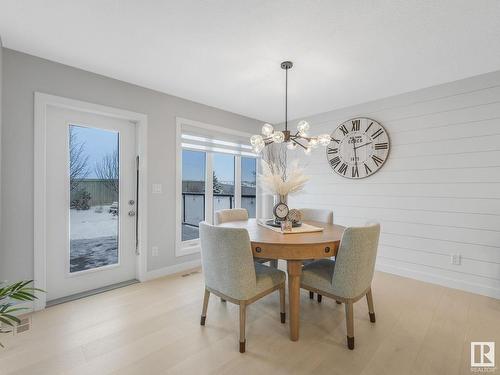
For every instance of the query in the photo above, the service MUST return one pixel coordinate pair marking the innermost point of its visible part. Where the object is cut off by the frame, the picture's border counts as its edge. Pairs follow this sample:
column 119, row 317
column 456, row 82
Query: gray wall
column 25, row 74
column 438, row 193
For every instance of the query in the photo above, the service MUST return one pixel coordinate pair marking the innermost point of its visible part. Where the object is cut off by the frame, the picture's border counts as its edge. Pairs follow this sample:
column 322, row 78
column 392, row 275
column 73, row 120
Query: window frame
column 183, row 248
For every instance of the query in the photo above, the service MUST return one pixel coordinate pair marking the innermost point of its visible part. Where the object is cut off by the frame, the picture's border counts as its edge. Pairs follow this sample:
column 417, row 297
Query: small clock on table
column 280, row 212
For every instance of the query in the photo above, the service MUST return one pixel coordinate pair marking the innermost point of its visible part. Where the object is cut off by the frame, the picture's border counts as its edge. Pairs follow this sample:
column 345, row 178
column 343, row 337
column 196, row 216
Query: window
column 249, row 185
column 94, row 198
column 215, row 171
column 193, row 193
column 223, row 182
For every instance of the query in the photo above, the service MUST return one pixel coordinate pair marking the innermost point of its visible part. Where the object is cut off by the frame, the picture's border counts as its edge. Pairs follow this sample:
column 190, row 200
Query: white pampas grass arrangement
column 279, row 182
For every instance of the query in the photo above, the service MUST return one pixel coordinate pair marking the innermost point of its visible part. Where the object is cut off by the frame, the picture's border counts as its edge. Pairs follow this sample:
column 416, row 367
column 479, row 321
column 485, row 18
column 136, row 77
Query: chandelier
column 299, row 138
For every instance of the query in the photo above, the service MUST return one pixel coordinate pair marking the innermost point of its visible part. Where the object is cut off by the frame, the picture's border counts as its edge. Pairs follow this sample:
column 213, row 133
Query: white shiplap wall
column 438, row 194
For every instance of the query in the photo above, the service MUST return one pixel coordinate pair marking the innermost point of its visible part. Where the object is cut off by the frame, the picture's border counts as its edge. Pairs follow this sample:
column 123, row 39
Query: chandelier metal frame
column 269, row 135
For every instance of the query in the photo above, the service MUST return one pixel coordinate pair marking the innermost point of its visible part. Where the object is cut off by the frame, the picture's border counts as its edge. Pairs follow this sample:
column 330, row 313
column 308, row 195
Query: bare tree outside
column 107, row 170
column 78, row 160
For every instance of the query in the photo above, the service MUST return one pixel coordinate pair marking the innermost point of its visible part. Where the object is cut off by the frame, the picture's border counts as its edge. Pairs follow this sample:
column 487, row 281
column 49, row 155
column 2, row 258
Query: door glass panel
column 193, row 193
column 223, row 181
column 94, row 197
column 248, row 184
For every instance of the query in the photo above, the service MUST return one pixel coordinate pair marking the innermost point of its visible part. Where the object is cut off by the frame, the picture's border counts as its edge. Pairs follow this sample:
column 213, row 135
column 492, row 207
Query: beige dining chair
column 231, row 273
column 239, row 214
column 233, row 214
column 349, row 277
column 317, row 214
column 322, row 216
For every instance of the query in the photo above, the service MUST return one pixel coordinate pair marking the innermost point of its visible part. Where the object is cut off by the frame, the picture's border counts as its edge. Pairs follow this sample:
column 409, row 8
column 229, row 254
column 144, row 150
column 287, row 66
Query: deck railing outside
column 193, row 210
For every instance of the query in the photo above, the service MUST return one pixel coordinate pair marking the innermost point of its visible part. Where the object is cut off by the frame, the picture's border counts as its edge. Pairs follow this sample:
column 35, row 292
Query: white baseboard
column 440, row 280
column 150, row 275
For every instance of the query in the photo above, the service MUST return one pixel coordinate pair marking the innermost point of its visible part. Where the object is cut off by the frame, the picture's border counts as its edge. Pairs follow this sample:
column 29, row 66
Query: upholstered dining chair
column 349, row 277
column 239, row 214
column 233, row 214
column 231, row 273
column 322, row 216
column 317, row 214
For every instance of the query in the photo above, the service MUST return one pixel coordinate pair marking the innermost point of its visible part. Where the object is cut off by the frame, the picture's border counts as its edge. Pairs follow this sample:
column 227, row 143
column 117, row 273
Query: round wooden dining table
column 294, row 248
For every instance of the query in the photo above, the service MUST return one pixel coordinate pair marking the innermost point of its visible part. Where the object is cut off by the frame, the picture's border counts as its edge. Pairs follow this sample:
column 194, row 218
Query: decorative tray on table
column 302, row 228
column 277, row 224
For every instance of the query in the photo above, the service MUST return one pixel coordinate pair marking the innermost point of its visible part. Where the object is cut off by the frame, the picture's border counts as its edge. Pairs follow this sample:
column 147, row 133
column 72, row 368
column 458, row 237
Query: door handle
column 131, row 213
column 137, row 204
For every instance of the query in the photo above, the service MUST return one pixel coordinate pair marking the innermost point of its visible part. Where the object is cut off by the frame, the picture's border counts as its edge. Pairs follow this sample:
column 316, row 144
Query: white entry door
column 90, row 201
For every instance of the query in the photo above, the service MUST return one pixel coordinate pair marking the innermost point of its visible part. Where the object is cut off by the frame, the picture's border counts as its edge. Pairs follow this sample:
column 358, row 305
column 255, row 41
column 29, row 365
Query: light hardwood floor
column 154, row 328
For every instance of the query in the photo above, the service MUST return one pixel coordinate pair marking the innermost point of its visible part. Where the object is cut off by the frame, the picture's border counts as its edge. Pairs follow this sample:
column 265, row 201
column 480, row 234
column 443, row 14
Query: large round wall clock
column 359, row 147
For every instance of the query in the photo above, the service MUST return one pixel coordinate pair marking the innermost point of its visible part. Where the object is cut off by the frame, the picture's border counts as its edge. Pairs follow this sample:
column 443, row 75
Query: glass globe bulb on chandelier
column 292, row 140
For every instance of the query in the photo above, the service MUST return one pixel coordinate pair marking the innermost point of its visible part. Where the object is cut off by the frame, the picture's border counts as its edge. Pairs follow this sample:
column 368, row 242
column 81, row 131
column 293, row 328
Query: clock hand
column 366, row 144
column 355, row 156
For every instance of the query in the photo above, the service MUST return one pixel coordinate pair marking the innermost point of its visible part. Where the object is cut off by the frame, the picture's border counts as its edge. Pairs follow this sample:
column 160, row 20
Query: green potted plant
column 20, row 291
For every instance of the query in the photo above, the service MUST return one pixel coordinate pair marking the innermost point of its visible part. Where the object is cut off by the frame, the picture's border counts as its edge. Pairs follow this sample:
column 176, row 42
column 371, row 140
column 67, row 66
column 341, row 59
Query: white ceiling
column 227, row 53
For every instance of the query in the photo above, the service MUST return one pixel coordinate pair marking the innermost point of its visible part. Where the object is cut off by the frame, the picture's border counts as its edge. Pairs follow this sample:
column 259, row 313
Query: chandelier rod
column 286, row 99
column 286, row 65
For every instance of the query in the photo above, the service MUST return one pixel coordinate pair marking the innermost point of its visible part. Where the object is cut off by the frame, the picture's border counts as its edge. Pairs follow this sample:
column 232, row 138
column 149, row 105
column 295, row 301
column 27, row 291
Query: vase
column 280, row 199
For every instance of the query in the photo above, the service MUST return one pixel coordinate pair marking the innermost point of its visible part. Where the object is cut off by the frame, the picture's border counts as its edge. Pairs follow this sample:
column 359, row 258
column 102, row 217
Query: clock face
column 359, row 148
column 281, row 211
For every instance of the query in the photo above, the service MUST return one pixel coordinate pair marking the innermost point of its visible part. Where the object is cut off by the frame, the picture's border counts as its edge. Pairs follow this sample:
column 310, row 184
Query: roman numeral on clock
column 355, row 125
column 369, row 126
column 331, row 151
column 343, row 168
column 378, row 133
column 336, row 140
column 355, row 171
column 367, row 169
column 377, row 160
column 344, row 130
column 335, row 161
column 381, row 146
